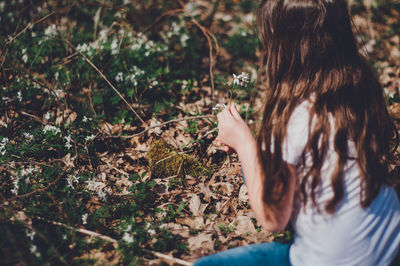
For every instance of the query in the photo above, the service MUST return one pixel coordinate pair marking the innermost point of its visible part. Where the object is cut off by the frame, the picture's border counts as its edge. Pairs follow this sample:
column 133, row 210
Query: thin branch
column 163, row 124
column 168, row 258
column 105, row 78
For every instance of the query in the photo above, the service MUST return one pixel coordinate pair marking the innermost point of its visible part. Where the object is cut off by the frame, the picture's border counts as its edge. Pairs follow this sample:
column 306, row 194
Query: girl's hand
column 232, row 129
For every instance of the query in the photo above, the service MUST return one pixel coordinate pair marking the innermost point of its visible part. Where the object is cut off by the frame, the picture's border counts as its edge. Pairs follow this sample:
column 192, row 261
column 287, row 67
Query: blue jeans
column 267, row 254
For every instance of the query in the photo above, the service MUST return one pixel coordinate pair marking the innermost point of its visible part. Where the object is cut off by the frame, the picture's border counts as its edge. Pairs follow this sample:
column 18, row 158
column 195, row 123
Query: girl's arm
column 233, row 132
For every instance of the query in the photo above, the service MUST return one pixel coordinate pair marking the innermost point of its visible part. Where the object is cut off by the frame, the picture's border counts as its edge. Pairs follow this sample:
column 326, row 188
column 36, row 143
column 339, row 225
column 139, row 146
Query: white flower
column 184, row 39
column 3, row 146
column 51, row 31
column 68, row 138
column 51, row 128
column 25, row 58
column 236, row 79
column 33, row 249
column 128, row 238
column 114, row 47
column 219, row 106
column 15, row 180
column 102, row 195
column 56, row 75
column 47, row 116
column 71, row 179
column 31, row 234
column 28, row 136
column 68, row 145
column 19, row 96
column 90, row 138
column 84, row 218
column 85, row 119
column 242, row 79
column 119, row 77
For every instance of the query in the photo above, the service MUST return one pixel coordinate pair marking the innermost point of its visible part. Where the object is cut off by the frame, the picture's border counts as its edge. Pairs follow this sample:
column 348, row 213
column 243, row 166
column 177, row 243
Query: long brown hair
column 310, row 50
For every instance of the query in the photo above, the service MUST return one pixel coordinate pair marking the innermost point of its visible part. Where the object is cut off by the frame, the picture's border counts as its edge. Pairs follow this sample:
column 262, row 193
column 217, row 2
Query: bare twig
column 207, row 34
column 163, row 124
column 168, row 258
column 36, row 118
column 106, row 79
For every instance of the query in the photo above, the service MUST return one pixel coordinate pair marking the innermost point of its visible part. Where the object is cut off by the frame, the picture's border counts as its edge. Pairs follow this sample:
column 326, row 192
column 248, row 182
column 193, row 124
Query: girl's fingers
column 235, row 112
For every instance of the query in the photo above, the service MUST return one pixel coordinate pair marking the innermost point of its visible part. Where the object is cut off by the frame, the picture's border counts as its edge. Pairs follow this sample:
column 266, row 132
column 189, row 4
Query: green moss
column 165, row 161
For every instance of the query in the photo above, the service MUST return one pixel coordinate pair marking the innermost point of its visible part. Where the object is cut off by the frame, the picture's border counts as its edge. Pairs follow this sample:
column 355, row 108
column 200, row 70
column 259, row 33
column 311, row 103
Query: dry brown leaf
column 394, row 110
column 206, row 191
column 195, row 205
column 68, row 161
column 243, row 194
column 194, row 223
column 244, row 225
column 202, row 243
column 177, row 229
column 226, row 188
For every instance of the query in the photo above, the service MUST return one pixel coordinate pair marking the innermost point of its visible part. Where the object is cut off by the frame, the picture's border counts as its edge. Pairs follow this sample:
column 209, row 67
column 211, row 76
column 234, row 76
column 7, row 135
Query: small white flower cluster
column 127, row 237
column 114, row 47
column 33, row 250
column 71, row 179
column 90, row 138
column 68, row 142
column 242, row 79
column 175, row 30
column 3, row 143
column 51, row 31
column 152, row 83
column 28, row 136
column 89, row 49
column 84, row 218
column 30, row 234
column 24, row 56
column 99, row 187
column 119, row 77
column 16, row 178
column 19, row 96
column 85, row 119
column 47, row 116
column 219, row 106
column 15, row 182
column 50, row 128
column 134, row 74
column 141, row 41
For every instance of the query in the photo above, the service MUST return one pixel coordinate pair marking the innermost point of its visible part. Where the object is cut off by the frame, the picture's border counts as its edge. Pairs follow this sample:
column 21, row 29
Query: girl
column 321, row 158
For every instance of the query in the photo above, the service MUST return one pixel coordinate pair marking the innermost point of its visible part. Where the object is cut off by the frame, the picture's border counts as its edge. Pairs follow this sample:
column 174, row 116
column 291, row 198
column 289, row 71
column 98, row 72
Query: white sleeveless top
column 352, row 235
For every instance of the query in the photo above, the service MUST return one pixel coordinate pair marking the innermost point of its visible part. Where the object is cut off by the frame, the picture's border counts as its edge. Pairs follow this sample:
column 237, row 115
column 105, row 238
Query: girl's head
column 302, row 37
column 310, row 53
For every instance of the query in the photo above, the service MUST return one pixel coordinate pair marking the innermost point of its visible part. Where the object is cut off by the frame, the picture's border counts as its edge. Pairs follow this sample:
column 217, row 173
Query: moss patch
column 164, row 160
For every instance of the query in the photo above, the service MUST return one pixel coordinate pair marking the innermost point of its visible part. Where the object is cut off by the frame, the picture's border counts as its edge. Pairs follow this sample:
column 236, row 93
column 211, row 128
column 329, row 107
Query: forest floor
column 88, row 86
